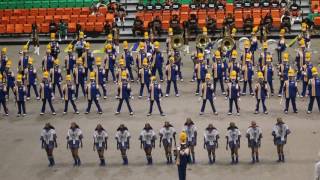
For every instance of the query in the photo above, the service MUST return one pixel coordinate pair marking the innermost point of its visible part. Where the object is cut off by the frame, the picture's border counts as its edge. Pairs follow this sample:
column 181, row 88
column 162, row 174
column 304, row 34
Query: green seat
column 28, row 4
column 11, row 5
column 45, row 4
column 37, row 4
column 63, row 3
column 54, row 4
column 79, row 3
column 87, row 3
column 3, row 5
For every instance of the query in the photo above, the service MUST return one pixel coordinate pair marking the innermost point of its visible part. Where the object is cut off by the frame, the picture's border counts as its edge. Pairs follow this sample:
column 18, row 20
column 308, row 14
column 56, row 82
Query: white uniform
column 190, row 130
column 233, row 136
column 280, row 132
column 74, row 137
column 317, row 171
column 167, row 135
column 123, row 139
column 211, row 138
column 48, row 137
column 147, row 137
column 254, row 135
column 99, row 139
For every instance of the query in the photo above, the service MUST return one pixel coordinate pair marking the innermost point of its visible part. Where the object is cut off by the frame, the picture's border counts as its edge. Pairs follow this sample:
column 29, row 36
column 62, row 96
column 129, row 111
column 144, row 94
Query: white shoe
column 64, row 112
column 177, row 95
column 167, row 95
column 41, row 113
column 238, row 114
column 54, row 113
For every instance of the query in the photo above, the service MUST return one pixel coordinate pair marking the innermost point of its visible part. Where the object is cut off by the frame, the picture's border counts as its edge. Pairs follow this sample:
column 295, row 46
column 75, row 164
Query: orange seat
column 184, row 8
column 5, row 20
column 17, row 12
column 256, row 21
column 92, row 18
column 8, row 12
column 39, row 19
column 51, row 12
column 56, row 18
column 239, row 23
column 166, row 16
column 74, row 18
column 65, row 18
column 31, row 19
column 83, row 18
column 2, row 29
column 76, row 11
column 44, row 28
column 202, row 15
column 18, row 28
column 317, row 21
column 101, row 18
column 13, row 19
column 72, row 27
column 1, row 12
column 140, row 15
column 157, row 13
column 27, row 28
column 202, row 23
column 229, row 8
column 211, row 13
column 110, row 17
column 48, row 19
column 175, row 12
column 22, row 19
column 34, row 12
column 246, row 13
column 165, row 25
column 275, row 13
column 42, row 12
column 103, row 10
column 24, row 12
column 148, row 16
column 85, row 11
column 67, row 11
column 60, row 11
column 265, row 11
column 145, row 24
column 98, row 26
column 256, row 13
column 193, row 12
column 89, row 27
column 10, row 28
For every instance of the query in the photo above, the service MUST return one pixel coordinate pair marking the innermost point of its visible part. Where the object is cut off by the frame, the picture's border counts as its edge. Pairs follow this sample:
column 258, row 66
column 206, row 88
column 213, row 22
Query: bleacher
column 28, row 4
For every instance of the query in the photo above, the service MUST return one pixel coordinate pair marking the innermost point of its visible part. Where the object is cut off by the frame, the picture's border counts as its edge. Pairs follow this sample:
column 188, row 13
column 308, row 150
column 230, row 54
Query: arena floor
column 21, row 155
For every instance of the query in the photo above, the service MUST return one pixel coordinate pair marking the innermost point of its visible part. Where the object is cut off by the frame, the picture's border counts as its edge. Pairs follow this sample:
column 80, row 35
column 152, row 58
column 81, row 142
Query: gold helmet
column 217, row 54
column 4, row 50
column 108, row 47
column 92, row 75
column 25, row 48
column 233, row 31
column 124, row 75
column 234, row 54
column 260, row 75
column 46, row 74
column 30, row 61
column 125, row 45
column 8, row 64
column 208, row 76
column 79, row 60
column 304, row 27
column 248, row 57
column 302, row 43
column 57, row 62
column 145, row 61
column 70, row 48
column 269, row 57
column 52, row 36
column 246, row 44
column 308, row 56
column 87, row 45
column 286, row 56
column 233, row 74
column 170, row 31
column 153, row 78
column 122, row 62
column 314, row 71
column 171, row 59
column 146, row 35
column 141, row 45
column 291, row 72
column 68, row 77
column 109, row 37
column 255, row 29
column 1, row 77
column 204, row 31
column 81, row 35
column 156, row 44
column 19, row 77
column 183, row 137
column 282, row 32
column 265, row 45
column 98, row 61
column 200, row 56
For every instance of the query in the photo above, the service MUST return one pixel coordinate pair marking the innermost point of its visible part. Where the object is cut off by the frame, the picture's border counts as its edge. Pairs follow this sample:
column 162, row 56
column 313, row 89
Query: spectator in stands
column 286, row 21
column 63, row 30
column 220, row 5
column 193, row 24
column 52, row 27
column 137, row 26
column 228, row 23
column 121, row 15
column 265, row 26
column 78, row 30
column 283, row 3
column 107, row 27
column 156, row 26
column 309, row 20
column 256, row 3
column 295, row 12
column 211, row 25
column 265, row 3
column 175, row 24
column 248, row 24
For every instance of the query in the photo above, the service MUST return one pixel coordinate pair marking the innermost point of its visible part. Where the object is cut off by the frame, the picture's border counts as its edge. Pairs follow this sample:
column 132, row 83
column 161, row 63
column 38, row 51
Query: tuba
column 202, row 41
column 177, row 41
column 227, row 43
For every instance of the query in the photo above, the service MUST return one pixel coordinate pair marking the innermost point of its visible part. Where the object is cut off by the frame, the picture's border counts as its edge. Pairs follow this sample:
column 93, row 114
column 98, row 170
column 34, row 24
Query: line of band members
column 167, row 139
column 90, row 74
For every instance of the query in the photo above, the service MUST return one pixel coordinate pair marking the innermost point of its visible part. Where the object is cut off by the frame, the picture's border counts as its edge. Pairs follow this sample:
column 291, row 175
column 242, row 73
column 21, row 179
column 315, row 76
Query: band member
column 3, row 60
column 74, row 142
column 290, row 89
column 88, row 59
column 300, row 58
column 283, row 72
column 233, row 93
column 93, row 93
column 100, row 74
column 144, row 76
column 169, row 43
column 228, row 23
column 55, row 49
column 182, row 154
column 254, row 43
column 248, row 73
column 48, row 140
column 305, row 34
column 124, row 93
column 314, row 90
column 46, row 93
column 123, row 142
column 281, row 45
column 167, row 136
column 9, row 78
column 286, row 20
column 24, row 59
column 261, row 93
column 263, row 55
column 207, row 94
column 80, row 44
column 201, row 69
column 233, row 142
column 3, row 94
column 148, row 43
column 48, row 60
column 254, row 136
column 70, row 60
column 68, row 95
column 218, row 70
column 79, row 77
column 121, row 68
column 20, row 93
column 147, row 139
column 306, row 73
column 211, row 142
column 171, row 73
column 155, row 94
column 109, row 62
column 268, row 71
column 280, row 132
column 191, row 131
column 185, row 36
column 128, row 60
column 140, row 56
column 157, row 62
column 56, row 77
column 233, row 64
column 31, row 79
column 100, row 143
column 245, row 52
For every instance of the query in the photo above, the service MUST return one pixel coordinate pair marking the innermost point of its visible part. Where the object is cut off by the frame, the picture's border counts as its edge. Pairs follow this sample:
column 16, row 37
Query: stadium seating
column 28, row 4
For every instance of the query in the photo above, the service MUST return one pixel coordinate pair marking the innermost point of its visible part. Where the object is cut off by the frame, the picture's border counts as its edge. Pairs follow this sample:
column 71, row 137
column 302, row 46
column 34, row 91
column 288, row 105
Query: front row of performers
column 167, row 135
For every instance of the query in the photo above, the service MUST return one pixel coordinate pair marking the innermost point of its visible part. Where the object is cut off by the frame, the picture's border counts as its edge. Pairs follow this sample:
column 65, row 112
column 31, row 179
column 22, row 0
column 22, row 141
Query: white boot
column 37, row 50
column 117, row 49
column 66, row 37
column 188, row 49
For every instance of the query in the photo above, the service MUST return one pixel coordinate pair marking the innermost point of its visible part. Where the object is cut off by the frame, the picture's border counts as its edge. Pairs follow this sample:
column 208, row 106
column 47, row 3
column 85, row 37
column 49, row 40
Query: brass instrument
column 227, row 43
column 202, row 41
column 177, row 41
